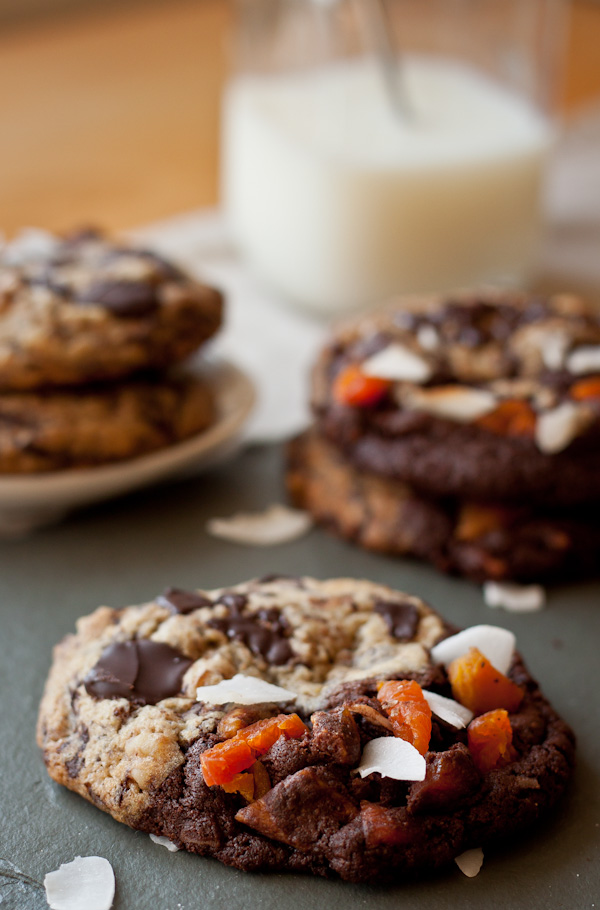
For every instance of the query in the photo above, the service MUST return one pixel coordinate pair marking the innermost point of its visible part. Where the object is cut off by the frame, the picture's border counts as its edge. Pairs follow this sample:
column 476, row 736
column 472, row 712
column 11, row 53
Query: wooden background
column 112, row 116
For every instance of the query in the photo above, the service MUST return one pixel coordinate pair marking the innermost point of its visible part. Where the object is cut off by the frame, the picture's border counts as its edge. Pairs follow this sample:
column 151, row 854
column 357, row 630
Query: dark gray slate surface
column 129, row 550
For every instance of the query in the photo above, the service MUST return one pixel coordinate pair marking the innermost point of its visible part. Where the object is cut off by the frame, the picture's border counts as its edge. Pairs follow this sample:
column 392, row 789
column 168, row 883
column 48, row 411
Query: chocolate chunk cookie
column 493, row 396
column 87, row 309
column 75, row 428
column 481, row 541
column 249, row 724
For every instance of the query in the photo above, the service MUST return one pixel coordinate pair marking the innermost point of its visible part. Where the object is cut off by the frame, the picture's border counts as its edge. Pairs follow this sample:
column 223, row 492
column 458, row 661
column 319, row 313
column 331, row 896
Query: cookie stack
column 462, row 430
column 90, row 330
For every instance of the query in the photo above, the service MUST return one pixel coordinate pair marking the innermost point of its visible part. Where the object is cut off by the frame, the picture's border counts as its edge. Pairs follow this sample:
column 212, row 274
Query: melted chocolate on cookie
column 177, row 600
column 144, row 672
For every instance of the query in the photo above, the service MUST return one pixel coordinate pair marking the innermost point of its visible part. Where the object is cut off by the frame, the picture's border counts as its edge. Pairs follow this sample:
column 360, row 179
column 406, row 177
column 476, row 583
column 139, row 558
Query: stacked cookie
column 90, row 330
column 462, row 430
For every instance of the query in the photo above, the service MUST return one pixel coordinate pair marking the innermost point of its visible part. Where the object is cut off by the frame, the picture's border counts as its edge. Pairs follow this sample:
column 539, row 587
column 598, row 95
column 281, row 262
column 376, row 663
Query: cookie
column 285, row 784
column 493, row 396
column 480, row 541
column 87, row 309
column 76, row 428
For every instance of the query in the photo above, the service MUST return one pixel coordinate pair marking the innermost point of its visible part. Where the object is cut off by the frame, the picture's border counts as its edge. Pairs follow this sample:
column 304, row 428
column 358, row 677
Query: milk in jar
column 338, row 201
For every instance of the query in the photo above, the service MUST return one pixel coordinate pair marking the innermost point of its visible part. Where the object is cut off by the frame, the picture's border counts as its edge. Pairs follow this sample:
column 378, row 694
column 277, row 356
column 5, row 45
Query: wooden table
column 113, row 117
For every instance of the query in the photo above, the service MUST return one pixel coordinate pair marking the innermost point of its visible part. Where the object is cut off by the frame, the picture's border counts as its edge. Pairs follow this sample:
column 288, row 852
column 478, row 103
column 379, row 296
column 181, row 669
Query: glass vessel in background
column 371, row 148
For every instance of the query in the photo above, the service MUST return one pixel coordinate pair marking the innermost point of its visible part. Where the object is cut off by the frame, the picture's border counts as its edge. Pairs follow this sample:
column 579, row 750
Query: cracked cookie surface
column 120, row 724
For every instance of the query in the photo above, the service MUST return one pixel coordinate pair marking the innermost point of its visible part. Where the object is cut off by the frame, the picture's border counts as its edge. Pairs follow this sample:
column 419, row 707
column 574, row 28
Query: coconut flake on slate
column 277, row 524
column 448, row 710
column 398, row 363
column 470, row 862
column 392, row 757
column 88, row 881
column 494, row 643
column 514, row 598
column 454, row 402
column 164, row 842
column 243, row 690
column 556, row 429
column 585, row 359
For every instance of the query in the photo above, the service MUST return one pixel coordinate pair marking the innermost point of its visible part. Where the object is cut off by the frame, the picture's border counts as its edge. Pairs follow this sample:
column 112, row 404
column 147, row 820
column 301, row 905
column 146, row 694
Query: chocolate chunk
column 401, row 619
column 234, row 602
column 144, row 672
column 260, row 638
column 292, row 812
column 122, row 298
column 177, row 600
column 450, row 779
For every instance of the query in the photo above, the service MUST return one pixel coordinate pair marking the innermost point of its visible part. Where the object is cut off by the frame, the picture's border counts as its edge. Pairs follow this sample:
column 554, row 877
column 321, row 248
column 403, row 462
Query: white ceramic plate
column 31, row 501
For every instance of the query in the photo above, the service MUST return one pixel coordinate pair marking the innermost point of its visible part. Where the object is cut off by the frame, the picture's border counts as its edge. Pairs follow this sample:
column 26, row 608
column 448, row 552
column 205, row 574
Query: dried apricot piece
column 586, row 388
column 475, row 520
column 242, row 783
column 477, row 684
column 409, row 713
column 222, row 762
column 353, row 387
column 490, row 740
column 512, row 417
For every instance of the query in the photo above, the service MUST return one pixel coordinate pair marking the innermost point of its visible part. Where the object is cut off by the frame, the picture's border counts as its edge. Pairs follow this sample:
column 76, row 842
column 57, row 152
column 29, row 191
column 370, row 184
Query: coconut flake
column 470, row 862
column 428, row 337
column 554, row 346
column 494, row 643
column 277, row 524
column 556, row 429
column 31, row 245
column 514, row 598
column 164, row 842
column 243, row 690
column 454, row 402
column 88, row 881
column 448, row 710
column 585, row 359
column 392, row 757
column 398, row 363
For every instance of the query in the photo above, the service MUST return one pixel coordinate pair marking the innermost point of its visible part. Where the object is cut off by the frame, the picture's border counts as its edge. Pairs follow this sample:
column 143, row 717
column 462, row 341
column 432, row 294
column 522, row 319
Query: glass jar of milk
column 379, row 146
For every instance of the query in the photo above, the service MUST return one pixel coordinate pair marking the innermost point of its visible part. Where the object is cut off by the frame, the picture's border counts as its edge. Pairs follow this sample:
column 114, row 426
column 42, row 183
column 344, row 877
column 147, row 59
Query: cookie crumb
column 514, row 598
column 276, row 525
column 470, row 862
column 88, row 881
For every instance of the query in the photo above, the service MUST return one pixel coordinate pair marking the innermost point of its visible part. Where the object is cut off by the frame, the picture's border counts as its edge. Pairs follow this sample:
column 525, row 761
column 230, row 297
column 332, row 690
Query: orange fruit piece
column 222, row 762
column 490, row 740
column 352, row 386
column 242, row 783
column 409, row 713
column 477, row 684
column 513, row 417
column 475, row 520
column 586, row 388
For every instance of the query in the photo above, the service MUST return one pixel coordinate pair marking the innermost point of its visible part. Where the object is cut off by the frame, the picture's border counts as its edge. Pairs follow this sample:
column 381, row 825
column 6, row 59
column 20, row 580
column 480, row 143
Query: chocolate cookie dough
column 85, row 309
column 481, row 541
column 492, row 396
column 286, row 784
column 75, row 428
